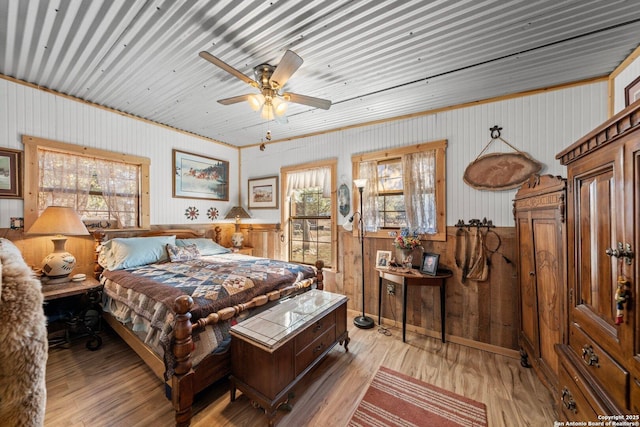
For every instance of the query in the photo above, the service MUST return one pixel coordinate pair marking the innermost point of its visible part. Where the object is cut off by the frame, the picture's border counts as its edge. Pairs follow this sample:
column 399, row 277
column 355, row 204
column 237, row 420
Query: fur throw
column 23, row 342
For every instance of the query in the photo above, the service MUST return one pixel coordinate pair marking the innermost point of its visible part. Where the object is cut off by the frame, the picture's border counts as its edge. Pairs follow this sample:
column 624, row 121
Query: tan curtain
column 67, row 180
column 419, row 194
column 370, row 216
column 64, row 180
column 119, row 182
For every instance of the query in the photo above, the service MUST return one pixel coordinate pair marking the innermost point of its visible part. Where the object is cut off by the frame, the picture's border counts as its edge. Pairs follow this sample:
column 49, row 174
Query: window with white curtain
column 309, row 212
column 405, row 189
column 110, row 189
column 97, row 189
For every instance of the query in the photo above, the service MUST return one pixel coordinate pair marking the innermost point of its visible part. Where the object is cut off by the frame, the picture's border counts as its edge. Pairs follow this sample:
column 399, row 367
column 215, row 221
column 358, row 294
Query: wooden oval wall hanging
column 500, row 171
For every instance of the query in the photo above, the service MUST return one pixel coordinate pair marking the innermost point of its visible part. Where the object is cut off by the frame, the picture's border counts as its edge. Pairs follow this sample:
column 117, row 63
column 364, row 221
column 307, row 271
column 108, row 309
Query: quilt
column 143, row 297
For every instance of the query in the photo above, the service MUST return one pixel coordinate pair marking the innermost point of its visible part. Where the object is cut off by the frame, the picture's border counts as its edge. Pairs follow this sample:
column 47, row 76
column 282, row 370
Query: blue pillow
column 120, row 253
column 205, row 246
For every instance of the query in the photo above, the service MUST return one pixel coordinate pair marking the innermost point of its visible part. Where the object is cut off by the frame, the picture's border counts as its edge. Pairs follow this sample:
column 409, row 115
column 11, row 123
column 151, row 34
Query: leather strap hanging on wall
column 471, row 251
column 462, row 252
column 500, row 171
column 478, row 264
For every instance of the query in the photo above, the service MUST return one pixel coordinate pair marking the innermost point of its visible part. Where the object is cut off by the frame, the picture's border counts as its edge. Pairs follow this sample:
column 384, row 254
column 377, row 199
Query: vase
column 409, row 258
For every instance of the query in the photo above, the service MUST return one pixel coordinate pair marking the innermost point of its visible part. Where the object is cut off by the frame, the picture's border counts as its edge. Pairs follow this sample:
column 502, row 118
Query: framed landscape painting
column 263, row 193
column 199, row 177
column 10, row 173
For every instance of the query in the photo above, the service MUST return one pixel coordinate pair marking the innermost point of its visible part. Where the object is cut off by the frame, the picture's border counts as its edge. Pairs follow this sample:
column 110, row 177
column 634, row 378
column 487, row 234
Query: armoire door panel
column 529, row 307
column 598, row 228
column 549, row 262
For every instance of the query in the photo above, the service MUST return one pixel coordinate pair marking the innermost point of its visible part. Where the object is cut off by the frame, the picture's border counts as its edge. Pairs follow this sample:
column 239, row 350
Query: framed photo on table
column 10, row 174
column 263, row 193
column 199, row 177
column 383, row 259
column 429, row 263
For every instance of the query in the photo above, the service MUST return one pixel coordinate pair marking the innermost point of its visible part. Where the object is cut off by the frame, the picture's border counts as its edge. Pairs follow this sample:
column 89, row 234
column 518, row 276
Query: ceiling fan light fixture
column 279, row 107
column 267, row 111
column 256, row 101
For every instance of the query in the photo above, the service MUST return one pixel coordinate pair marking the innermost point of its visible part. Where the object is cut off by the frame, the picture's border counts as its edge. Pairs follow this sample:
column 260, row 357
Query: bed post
column 319, row 275
column 182, row 389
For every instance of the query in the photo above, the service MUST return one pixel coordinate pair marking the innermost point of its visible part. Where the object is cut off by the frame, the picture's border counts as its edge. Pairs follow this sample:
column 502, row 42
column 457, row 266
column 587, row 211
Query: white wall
column 540, row 125
column 622, row 80
column 28, row 111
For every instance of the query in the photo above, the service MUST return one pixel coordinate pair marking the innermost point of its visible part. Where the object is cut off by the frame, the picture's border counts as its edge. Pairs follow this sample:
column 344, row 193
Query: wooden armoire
column 539, row 211
column 600, row 362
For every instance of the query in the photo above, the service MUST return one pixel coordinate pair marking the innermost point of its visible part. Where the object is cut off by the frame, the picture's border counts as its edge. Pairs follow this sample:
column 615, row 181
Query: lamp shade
column 237, row 212
column 59, row 220
column 360, row 183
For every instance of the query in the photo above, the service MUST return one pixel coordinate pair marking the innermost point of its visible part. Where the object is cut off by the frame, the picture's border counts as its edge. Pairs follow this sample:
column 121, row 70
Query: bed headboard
column 101, row 236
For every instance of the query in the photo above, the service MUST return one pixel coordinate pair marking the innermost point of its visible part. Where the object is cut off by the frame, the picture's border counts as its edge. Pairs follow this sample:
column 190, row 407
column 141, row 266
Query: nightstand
column 72, row 308
column 245, row 250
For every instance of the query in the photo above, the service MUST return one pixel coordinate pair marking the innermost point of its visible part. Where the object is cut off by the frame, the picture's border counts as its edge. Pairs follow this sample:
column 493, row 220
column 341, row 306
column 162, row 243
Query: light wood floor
column 112, row 387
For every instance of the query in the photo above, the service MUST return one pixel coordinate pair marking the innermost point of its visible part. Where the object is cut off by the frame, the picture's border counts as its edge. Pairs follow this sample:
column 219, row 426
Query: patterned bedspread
column 214, row 282
column 142, row 298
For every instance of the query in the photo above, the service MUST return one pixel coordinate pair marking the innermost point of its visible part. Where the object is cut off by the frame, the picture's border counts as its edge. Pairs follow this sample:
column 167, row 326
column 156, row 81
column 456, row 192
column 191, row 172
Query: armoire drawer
column 635, row 396
column 573, row 405
column 605, row 370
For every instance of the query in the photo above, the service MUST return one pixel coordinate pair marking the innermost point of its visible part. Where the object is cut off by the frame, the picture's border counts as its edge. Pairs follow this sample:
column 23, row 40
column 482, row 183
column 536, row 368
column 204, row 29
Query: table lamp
column 237, row 212
column 61, row 221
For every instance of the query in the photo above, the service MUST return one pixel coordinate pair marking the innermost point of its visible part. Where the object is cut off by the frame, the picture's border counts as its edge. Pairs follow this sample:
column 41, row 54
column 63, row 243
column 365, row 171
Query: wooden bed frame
column 187, row 379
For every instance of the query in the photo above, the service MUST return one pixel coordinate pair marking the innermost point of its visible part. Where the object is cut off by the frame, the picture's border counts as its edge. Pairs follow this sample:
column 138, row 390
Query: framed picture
column 10, row 173
column 632, row 92
column 429, row 263
column 199, row 177
column 383, row 259
column 263, row 193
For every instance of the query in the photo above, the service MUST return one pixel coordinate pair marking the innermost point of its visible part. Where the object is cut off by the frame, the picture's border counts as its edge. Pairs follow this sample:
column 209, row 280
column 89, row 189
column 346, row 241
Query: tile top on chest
column 275, row 325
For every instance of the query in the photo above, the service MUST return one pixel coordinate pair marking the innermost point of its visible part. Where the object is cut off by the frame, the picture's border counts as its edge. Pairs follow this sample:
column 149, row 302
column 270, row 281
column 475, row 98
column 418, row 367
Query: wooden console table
column 273, row 350
column 413, row 278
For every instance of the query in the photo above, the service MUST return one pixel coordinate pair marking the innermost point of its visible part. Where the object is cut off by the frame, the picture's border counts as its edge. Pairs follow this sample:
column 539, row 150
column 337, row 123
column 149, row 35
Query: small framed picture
column 383, row 258
column 263, row 193
column 430, row 263
column 10, row 174
column 632, row 92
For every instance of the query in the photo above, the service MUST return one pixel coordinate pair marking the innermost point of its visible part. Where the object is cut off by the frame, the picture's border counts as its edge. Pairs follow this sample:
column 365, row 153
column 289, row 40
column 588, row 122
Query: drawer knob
column 317, row 327
column 318, row 348
column 567, row 400
column 589, row 356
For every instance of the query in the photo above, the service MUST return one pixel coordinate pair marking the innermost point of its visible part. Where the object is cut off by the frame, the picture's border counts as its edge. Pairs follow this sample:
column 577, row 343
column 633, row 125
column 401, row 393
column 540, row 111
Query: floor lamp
column 362, row 322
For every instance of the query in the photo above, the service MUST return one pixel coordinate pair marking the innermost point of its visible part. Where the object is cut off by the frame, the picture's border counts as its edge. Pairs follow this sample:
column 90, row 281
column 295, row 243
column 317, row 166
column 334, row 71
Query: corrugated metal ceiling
column 373, row 59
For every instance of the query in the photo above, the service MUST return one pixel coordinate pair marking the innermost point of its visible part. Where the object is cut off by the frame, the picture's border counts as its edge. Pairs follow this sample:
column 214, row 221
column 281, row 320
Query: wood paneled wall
column 482, row 314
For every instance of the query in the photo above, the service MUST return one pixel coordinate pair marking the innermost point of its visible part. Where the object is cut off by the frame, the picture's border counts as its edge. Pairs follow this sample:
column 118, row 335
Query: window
column 390, row 204
column 309, row 212
column 405, row 188
column 100, row 185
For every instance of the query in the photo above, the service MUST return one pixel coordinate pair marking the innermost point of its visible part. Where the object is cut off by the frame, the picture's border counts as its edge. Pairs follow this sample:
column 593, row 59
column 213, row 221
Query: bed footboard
column 183, row 381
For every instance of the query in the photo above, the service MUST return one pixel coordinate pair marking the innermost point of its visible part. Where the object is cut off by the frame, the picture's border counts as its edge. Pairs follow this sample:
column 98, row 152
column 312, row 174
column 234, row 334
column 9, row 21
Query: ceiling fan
column 269, row 80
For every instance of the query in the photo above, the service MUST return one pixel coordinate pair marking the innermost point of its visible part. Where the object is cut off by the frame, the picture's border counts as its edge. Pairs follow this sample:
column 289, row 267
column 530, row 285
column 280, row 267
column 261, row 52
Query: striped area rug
column 394, row 399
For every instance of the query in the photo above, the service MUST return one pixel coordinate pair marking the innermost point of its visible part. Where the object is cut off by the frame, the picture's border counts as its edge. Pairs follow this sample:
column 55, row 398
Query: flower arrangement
column 405, row 241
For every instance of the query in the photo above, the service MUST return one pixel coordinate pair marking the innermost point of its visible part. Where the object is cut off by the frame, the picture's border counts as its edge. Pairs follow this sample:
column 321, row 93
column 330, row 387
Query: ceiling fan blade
column 307, row 100
column 228, row 68
column 288, row 65
column 234, row 99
